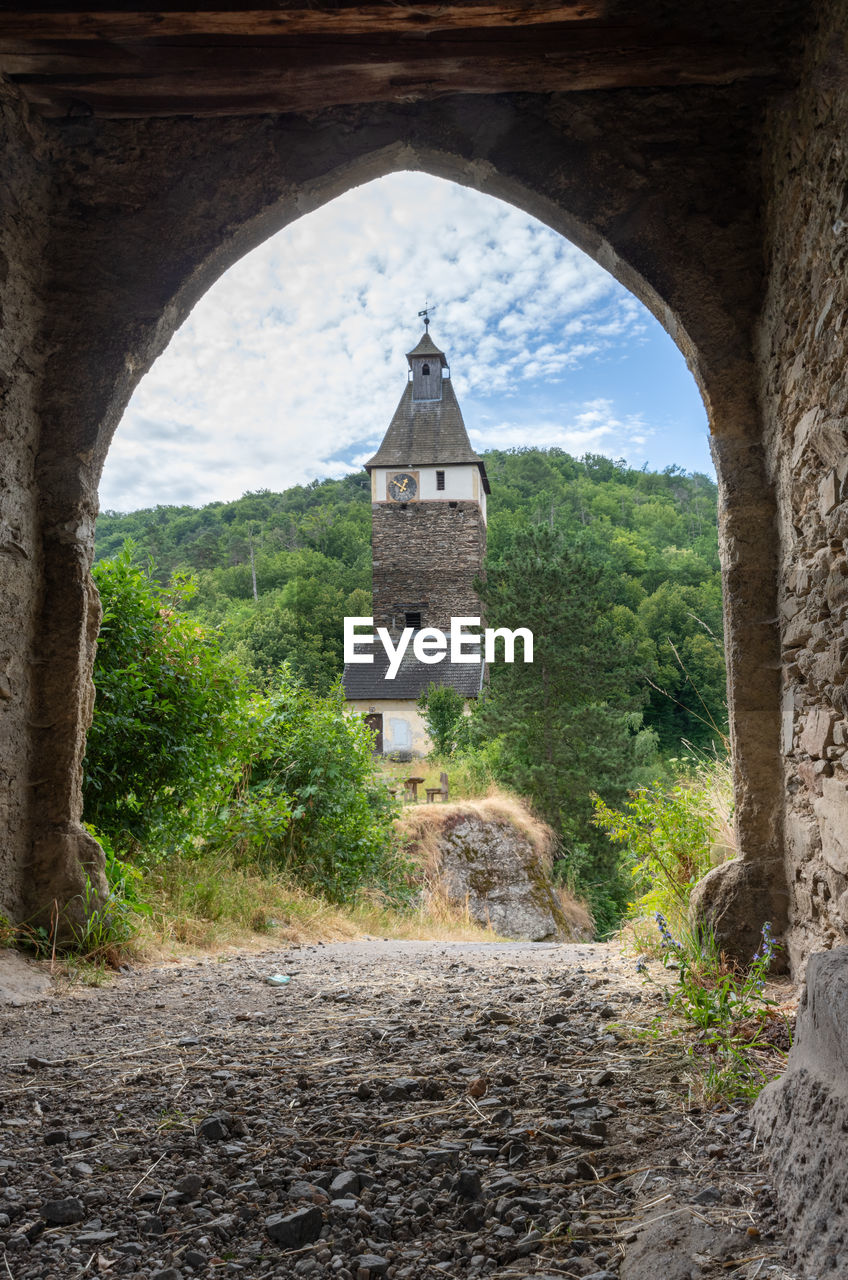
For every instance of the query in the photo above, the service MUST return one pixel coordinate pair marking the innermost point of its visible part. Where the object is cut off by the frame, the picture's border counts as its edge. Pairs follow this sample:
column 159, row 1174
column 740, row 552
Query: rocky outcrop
column 803, row 1118
column 492, row 858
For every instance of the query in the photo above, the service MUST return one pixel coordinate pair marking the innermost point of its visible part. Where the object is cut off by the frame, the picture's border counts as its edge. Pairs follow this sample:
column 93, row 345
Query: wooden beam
column 330, row 78
column 333, row 19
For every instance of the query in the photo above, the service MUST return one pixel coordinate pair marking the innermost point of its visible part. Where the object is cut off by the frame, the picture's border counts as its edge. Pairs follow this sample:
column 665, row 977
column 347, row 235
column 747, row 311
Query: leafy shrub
column 668, row 834
column 157, row 742
column 305, row 797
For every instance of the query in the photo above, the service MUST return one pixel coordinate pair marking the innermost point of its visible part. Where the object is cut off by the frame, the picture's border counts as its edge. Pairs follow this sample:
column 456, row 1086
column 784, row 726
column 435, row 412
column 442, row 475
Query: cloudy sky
column 291, row 365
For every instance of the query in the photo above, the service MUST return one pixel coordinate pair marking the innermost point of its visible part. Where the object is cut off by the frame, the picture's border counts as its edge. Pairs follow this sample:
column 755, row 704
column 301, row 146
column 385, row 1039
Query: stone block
column 828, row 493
column 734, row 900
column 831, row 810
column 800, row 835
column 802, row 435
column 789, row 606
column 812, row 772
column 836, row 589
column 788, row 721
column 817, row 734
column 803, row 1119
column 797, row 631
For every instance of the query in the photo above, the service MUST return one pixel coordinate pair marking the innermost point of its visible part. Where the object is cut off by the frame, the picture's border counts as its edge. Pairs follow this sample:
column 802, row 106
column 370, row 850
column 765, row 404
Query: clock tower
column 428, row 513
column 428, row 539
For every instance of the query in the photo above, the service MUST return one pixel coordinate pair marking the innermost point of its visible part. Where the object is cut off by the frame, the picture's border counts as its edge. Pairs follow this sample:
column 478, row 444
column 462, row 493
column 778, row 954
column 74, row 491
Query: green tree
column 569, row 723
column 444, row 714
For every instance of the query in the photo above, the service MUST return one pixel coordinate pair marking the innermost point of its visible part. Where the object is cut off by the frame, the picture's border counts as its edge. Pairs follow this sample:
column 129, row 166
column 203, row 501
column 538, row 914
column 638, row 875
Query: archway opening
column 286, row 372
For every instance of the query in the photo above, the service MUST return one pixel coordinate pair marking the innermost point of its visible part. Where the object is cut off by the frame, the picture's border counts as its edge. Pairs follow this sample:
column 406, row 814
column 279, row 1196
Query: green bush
column 668, row 835
column 305, row 797
column 158, row 741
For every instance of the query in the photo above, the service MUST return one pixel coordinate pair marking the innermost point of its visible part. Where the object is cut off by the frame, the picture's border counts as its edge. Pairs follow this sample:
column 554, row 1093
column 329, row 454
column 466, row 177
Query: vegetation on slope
column 219, row 725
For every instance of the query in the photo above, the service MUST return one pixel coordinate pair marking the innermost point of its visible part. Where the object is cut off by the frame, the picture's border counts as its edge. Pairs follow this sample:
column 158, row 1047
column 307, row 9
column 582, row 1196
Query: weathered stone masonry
column 713, row 194
column 803, row 356
column 426, row 557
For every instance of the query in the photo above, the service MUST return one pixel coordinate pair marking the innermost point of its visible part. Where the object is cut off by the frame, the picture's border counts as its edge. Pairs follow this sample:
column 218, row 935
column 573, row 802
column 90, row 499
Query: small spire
column 426, row 315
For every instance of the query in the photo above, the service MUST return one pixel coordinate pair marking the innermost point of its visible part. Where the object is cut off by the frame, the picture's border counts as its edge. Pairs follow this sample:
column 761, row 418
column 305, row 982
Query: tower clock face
column 403, row 486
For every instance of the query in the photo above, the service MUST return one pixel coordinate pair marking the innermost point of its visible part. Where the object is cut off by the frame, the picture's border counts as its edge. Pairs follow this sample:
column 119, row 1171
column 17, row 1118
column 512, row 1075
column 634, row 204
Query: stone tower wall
column 426, row 557
column 803, row 354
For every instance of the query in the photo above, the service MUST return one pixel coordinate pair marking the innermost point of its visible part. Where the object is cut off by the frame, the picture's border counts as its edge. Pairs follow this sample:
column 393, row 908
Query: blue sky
column 290, row 367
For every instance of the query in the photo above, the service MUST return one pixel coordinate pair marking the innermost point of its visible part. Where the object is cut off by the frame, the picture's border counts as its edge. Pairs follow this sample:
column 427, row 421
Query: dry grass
column 208, row 905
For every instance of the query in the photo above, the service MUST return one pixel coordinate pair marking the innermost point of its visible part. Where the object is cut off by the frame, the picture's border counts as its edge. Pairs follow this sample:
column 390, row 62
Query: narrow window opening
column 440, row 479
column 425, row 369
column 413, row 620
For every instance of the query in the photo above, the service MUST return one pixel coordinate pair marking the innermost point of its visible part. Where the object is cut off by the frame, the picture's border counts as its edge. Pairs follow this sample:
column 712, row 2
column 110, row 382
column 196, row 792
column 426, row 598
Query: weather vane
column 426, row 314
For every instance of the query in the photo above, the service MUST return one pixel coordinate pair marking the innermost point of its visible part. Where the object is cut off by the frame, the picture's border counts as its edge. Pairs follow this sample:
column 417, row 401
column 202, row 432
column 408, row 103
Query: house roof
column 427, row 433
column 365, row 682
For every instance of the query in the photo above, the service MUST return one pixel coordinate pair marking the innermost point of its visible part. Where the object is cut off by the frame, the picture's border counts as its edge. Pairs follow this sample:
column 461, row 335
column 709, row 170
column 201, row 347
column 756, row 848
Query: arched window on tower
column 425, row 369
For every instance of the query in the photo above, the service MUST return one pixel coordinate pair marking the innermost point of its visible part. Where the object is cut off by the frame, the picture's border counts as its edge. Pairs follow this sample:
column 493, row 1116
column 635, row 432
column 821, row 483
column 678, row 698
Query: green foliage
column 729, row 1009
column 164, row 696
column 655, row 531
column 305, row 798
column 444, row 715
column 569, row 723
column 668, row 835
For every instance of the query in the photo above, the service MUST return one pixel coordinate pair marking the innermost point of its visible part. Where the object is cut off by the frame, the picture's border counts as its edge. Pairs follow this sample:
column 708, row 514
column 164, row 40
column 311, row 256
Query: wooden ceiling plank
column 350, row 20
column 302, row 90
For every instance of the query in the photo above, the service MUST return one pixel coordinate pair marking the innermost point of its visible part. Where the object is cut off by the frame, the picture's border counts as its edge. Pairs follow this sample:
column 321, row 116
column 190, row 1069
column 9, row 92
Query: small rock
column 169, row 1273
column 468, row 1185
column 709, row 1195
column 345, row 1184
column 295, row 1229
column 372, row 1265
column 61, row 1213
column 190, row 1186
column 213, row 1129
column 55, row 1137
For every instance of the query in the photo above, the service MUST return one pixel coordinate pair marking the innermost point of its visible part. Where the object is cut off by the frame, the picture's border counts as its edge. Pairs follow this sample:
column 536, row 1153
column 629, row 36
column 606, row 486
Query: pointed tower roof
column 426, row 347
column 427, row 432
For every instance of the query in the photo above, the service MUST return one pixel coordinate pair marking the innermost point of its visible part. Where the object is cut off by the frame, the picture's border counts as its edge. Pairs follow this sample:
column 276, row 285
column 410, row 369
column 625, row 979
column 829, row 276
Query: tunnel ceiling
column 122, row 60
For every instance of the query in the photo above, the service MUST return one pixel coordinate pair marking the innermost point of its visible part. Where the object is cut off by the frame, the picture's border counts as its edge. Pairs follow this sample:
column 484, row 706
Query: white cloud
column 295, row 358
column 592, row 428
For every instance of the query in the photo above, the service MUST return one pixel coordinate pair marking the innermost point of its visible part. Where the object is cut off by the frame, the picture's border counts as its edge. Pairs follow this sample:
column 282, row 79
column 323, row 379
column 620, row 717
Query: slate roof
column 367, row 683
column 426, row 347
column 427, row 433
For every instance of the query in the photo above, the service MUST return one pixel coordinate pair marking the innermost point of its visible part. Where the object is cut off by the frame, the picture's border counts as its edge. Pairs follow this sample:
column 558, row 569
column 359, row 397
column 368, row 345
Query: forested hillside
column 277, row 572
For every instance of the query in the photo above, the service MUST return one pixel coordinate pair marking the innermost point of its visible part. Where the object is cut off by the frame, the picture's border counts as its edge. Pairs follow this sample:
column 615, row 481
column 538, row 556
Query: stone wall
column 803, row 351
column 661, row 186
column 23, row 228
column 426, row 556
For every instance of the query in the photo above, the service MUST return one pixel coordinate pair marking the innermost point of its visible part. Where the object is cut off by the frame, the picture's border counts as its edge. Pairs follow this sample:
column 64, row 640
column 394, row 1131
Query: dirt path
column 398, row 1109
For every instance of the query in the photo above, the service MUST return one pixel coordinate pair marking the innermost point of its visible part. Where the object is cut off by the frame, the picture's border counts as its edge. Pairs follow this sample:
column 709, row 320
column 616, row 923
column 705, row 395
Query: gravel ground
column 398, row 1109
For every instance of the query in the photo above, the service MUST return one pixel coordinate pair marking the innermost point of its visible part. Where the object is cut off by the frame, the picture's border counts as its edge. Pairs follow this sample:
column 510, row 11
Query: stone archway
column 127, row 222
